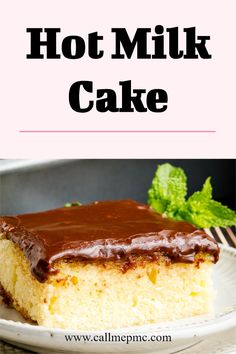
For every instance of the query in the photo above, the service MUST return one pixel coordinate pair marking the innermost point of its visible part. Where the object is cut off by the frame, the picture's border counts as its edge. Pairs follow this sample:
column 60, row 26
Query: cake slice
column 105, row 265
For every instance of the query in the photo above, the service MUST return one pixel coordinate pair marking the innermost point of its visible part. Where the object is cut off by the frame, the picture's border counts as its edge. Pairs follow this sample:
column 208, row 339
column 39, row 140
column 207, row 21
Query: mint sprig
column 167, row 195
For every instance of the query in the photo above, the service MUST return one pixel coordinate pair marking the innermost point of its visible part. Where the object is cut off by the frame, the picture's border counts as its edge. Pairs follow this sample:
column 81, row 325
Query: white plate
column 184, row 333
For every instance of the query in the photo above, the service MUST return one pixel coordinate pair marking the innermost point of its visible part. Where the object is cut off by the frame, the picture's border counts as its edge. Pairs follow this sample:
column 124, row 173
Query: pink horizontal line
column 117, row 131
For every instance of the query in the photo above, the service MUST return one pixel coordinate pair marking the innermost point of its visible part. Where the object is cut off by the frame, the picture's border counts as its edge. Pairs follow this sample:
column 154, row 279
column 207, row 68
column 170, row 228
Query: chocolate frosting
column 106, row 230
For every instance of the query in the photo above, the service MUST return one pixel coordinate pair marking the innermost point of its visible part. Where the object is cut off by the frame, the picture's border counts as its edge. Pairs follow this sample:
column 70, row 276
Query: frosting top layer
column 102, row 230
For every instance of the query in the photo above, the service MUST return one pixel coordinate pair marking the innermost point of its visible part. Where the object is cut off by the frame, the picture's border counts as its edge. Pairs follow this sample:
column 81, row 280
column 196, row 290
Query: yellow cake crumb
column 95, row 296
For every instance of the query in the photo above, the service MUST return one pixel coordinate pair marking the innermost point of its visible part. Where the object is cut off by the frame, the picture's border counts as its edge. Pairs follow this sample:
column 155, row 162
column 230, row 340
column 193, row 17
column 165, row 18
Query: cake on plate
column 105, row 265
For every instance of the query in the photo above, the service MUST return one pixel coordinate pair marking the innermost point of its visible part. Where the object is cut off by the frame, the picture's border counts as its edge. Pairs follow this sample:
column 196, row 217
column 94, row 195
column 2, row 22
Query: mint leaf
column 168, row 190
column 68, row 205
column 202, row 211
column 167, row 196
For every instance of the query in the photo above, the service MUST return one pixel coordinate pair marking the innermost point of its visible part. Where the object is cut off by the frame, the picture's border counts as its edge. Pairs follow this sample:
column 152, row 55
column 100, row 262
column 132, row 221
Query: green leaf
column 202, row 211
column 68, row 205
column 168, row 190
column 167, row 196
